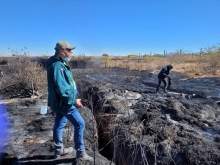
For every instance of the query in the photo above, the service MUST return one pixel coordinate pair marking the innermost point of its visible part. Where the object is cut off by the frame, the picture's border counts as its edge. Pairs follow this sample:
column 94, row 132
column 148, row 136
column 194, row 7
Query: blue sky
column 115, row 27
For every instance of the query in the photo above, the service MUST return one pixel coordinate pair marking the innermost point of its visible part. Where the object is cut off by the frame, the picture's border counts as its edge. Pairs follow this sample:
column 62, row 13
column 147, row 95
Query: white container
column 43, row 109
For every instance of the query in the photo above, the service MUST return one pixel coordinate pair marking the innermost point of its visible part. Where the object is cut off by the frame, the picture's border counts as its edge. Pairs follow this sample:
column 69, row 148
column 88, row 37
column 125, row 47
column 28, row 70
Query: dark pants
column 164, row 82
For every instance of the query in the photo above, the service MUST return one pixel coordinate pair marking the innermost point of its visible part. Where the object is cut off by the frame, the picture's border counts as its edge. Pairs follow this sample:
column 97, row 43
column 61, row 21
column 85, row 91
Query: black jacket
column 164, row 73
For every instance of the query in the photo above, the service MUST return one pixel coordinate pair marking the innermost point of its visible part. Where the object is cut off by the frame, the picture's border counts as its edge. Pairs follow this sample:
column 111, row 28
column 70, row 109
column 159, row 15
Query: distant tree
column 105, row 55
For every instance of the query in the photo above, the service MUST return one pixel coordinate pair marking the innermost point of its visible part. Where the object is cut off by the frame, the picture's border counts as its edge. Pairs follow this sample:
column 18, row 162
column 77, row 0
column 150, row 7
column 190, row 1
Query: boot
column 165, row 91
column 61, row 152
column 84, row 156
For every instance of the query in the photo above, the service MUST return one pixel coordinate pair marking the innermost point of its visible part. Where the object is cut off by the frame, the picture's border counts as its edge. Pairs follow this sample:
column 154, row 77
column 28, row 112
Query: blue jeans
column 79, row 125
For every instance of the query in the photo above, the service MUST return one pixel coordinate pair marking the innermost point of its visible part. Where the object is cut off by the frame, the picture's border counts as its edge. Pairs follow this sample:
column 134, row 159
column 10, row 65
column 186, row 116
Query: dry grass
column 192, row 65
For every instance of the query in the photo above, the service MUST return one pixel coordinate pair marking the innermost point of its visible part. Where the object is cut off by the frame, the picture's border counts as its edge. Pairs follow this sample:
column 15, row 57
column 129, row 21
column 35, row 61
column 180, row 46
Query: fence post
column 138, row 60
column 115, row 61
column 200, row 53
column 128, row 63
column 105, row 62
column 141, row 58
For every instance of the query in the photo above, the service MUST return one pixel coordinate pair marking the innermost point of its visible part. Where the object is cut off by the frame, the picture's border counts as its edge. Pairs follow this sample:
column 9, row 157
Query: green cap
column 63, row 45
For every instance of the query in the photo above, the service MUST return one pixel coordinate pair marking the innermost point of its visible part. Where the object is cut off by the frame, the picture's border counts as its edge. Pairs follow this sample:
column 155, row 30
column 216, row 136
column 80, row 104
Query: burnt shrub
column 42, row 60
column 26, row 74
column 3, row 62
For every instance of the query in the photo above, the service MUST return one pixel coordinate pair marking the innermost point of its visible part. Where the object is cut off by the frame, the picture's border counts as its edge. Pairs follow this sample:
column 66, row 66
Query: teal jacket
column 62, row 90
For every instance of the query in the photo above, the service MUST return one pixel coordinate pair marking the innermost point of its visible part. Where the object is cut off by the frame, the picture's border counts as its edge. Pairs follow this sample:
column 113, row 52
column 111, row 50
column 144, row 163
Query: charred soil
column 126, row 122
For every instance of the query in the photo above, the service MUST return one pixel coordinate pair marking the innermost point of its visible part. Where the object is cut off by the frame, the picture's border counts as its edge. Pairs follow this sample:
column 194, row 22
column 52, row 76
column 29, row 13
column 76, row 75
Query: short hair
column 57, row 51
column 170, row 66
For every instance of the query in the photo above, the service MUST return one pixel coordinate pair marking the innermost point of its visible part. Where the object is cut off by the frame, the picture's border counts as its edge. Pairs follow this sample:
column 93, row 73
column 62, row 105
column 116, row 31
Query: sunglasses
column 68, row 50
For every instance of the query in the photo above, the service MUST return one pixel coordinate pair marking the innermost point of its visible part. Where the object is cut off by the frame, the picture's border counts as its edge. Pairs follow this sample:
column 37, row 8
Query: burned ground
column 181, row 127
column 131, row 124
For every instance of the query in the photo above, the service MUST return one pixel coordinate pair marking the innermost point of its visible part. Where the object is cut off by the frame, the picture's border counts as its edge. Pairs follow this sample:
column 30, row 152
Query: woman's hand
column 78, row 103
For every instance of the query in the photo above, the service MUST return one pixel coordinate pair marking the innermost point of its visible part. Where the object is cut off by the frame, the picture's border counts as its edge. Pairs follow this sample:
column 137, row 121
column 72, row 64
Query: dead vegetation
column 24, row 78
column 28, row 74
